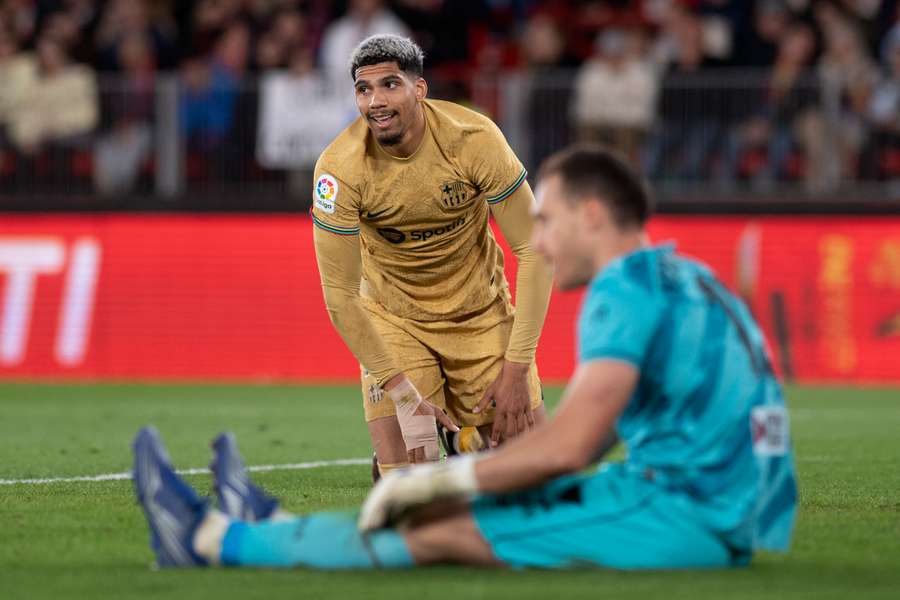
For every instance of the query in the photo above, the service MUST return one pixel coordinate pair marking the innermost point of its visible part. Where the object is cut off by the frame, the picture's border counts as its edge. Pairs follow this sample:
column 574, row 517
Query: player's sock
column 467, row 439
column 209, row 535
column 320, row 540
column 470, row 440
column 385, row 468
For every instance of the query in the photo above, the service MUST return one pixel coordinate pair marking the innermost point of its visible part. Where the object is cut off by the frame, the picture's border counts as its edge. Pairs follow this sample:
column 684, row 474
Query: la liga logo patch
column 326, row 193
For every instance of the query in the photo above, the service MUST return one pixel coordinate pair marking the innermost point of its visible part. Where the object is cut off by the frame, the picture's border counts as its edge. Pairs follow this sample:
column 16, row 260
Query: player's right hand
column 425, row 452
column 510, row 396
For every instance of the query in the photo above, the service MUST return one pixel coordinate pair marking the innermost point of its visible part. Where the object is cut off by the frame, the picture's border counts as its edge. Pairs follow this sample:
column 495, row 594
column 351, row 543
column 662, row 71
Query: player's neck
column 412, row 139
column 613, row 246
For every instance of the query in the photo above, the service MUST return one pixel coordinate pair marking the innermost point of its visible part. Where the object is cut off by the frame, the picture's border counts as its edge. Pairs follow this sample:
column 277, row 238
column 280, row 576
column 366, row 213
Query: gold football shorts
column 452, row 363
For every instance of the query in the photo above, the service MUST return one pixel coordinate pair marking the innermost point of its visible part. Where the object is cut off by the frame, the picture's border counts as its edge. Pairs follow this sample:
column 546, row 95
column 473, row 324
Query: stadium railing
column 717, row 139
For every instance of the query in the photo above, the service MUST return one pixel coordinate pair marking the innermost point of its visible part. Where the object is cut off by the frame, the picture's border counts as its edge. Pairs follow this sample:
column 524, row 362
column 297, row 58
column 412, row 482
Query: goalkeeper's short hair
column 598, row 172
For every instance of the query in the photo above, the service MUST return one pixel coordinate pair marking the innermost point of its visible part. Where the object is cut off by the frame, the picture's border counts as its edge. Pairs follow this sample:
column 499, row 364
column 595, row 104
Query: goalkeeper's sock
column 320, row 541
column 208, row 536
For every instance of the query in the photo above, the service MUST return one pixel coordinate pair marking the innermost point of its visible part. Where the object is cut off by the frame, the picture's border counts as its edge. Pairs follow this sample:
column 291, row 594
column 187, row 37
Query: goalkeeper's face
column 388, row 98
column 563, row 234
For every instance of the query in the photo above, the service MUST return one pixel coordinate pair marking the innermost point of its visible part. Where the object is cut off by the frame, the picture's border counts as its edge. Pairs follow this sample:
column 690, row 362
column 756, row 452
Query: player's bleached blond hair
column 388, row 48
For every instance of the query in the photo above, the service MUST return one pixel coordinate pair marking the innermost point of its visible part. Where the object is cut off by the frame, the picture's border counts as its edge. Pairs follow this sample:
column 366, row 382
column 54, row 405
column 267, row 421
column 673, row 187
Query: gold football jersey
column 427, row 250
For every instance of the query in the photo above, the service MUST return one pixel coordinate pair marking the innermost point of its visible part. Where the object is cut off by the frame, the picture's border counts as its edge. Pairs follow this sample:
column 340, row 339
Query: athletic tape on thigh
column 419, row 431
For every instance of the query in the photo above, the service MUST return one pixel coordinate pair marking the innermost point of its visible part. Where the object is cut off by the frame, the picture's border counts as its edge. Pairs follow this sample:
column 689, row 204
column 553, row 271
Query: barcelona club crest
column 453, row 194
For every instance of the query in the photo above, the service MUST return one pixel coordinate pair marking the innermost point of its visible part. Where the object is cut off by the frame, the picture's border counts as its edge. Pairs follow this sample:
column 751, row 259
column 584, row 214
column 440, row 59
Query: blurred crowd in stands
column 722, row 91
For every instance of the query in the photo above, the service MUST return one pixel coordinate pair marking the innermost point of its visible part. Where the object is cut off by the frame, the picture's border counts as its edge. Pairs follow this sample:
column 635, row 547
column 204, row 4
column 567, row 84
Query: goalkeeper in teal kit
column 670, row 364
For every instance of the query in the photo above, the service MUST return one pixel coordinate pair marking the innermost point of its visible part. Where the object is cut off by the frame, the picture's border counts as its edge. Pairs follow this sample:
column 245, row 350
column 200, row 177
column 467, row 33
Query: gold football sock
column 470, row 440
column 383, row 469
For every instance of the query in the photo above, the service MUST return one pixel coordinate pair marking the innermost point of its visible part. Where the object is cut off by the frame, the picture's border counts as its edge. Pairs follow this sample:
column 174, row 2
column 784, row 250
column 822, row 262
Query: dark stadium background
column 155, row 166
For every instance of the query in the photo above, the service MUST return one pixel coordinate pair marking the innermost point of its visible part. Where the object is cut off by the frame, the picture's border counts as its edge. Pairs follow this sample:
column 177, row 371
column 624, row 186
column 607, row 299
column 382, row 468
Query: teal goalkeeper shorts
column 612, row 518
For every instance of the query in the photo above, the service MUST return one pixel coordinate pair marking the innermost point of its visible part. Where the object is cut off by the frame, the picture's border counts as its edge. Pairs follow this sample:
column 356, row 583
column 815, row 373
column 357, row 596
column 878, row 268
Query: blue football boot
column 172, row 507
column 238, row 497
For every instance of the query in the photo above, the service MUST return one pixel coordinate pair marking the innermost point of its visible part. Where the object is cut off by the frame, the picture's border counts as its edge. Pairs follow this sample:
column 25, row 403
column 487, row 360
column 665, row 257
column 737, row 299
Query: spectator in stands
column 881, row 156
column 848, row 77
column 866, row 17
column 691, row 104
column 280, row 40
column 289, row 27
column 66, row 28
column 209, row 18
column 549, row 88
column 232, row 50
column 128, row 111
column 207, row 103
column 123, row 18
column 340, row 38
column 758, row 44
column 363, row 18
column 21, row 19
column 787, row 118
column 268, row 53
column 18, row 72
column 615, row 93
column 60, row 106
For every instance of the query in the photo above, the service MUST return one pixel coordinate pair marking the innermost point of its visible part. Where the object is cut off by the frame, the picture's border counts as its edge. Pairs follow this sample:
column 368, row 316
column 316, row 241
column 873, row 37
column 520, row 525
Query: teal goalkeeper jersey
column 708, row 417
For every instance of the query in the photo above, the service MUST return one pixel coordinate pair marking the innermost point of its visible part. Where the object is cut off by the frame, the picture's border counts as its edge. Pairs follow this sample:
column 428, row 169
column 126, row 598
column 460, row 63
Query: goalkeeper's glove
column 400, row 491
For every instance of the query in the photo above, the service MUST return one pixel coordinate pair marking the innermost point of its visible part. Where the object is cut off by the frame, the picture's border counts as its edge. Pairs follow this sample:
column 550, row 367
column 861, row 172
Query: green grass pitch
column 89, row 540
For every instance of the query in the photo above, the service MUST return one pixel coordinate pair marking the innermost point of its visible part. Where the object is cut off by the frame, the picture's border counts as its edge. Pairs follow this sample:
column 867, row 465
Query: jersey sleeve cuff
column 517, row 356
column 334, row 228
column 508, row 191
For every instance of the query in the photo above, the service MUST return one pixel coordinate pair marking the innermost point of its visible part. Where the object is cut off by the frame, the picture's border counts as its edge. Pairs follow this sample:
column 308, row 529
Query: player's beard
column 390, row 139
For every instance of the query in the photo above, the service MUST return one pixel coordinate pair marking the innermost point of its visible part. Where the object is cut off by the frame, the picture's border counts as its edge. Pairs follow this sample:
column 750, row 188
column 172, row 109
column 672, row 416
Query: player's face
column 388, row 98
column 560, row 235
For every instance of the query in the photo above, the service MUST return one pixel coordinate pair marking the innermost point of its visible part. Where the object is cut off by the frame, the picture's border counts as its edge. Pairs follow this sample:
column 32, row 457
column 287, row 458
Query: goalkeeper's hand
column 400, row 491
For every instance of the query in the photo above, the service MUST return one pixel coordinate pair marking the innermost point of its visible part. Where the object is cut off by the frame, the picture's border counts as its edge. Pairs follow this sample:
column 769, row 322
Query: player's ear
column 594, row 212
column 421, row 88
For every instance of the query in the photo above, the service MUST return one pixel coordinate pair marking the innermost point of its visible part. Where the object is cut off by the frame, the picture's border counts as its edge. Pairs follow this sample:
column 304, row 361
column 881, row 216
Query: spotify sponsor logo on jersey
column 395, row 236
column 426, row 234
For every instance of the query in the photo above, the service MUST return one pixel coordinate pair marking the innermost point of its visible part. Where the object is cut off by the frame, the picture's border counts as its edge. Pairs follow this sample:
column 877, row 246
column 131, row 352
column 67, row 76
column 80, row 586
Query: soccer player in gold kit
column 411, row 273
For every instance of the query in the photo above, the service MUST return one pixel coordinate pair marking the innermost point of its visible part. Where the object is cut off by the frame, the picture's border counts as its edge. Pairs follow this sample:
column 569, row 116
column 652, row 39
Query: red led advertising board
column 237, row 298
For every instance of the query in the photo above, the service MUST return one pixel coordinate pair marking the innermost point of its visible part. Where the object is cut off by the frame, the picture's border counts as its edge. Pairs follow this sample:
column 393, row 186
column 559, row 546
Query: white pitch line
column 197, row 471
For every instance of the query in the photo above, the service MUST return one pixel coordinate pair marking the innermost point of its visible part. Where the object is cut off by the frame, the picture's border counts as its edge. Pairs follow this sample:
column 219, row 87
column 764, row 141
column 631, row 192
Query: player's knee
column 450, row 537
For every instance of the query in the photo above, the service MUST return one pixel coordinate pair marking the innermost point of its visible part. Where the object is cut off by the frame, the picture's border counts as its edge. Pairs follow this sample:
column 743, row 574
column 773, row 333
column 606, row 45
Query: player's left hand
column 511, row 396
column 399, row 491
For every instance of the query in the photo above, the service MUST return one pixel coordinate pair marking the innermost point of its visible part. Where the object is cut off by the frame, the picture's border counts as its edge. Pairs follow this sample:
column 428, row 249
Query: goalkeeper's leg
column 186, row 532
column 332, row 541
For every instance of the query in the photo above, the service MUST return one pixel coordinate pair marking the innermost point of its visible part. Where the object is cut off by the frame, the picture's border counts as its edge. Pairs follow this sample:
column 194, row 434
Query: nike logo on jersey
column 374, row 215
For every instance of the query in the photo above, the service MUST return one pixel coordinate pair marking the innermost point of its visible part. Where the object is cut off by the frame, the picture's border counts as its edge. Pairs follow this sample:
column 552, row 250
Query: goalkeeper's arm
column 594, row 399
